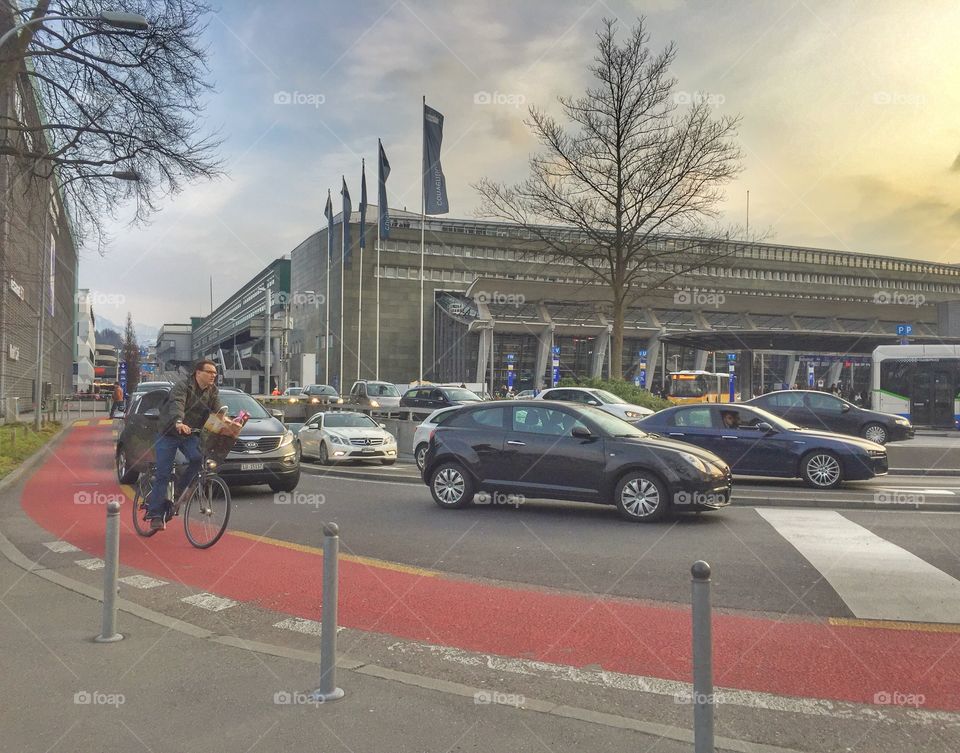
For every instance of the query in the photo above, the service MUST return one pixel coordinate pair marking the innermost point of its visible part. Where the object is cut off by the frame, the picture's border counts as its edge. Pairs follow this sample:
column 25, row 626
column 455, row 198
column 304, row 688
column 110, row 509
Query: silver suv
column 373, row 395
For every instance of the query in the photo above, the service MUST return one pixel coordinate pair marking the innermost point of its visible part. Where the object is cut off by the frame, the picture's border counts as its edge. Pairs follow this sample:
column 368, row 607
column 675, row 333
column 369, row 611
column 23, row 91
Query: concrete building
column 235, row 333
column 85, row 344
column 174, row 348
column 105, row 367
column 38, row 261
column 785, row 313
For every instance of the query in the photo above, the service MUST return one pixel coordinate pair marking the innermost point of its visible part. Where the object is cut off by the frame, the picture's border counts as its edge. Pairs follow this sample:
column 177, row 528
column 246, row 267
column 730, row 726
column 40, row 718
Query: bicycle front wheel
column 140, row 497
column 207, row 512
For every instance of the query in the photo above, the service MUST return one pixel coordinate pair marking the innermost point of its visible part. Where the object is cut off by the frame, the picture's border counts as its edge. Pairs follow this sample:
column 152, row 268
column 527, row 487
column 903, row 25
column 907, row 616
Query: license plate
column 367, row 452
column 251, row 466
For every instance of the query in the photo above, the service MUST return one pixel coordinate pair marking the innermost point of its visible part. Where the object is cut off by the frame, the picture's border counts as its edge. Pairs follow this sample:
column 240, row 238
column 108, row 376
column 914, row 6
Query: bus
column 699, row 387
column 918, row 382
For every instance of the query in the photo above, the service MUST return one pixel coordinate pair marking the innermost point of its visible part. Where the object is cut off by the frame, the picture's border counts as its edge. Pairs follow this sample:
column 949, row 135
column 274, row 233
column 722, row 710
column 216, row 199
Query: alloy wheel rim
column 640, row 497
column 876, row 434
column 122, row 463
column 421, row 456
column 449, row 486
column 824, row 470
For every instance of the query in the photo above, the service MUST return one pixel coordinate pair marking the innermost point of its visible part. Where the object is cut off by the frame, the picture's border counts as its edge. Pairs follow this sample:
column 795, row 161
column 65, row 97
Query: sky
column 850, row 128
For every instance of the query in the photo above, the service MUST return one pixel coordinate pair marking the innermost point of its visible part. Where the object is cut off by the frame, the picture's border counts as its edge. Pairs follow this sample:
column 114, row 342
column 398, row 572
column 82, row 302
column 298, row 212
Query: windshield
column 238, row 401
column 462, row 394
column 349, row 421
column 321, row 389
column 294, row 390
column 608, row 397
column 610, row 424
column 381, row 389
column 694, row 385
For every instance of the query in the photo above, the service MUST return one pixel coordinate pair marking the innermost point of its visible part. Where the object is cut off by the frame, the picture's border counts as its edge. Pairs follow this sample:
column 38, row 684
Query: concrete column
column 544, row 340
column 833, row 373
column 745, row 374
column 599, row 353
column 793, row 366
column 483, row 355
column 653, row 356
column 700, row 360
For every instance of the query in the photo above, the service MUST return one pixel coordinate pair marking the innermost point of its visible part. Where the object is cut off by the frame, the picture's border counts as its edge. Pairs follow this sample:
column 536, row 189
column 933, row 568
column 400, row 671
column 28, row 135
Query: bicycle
column 207, row 497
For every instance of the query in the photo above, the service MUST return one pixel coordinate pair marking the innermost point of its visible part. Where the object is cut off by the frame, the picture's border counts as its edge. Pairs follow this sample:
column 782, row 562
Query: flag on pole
column 363, row 204
column 383, row 172
column 434, row 184
column 347, row 211
column 328, row 213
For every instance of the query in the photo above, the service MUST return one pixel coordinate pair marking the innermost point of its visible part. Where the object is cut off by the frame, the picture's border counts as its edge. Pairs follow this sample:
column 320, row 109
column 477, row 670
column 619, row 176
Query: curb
column 679, row 734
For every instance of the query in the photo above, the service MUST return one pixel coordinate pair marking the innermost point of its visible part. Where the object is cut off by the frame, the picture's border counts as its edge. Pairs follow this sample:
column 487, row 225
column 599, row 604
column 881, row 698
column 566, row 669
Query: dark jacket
column 186, row 402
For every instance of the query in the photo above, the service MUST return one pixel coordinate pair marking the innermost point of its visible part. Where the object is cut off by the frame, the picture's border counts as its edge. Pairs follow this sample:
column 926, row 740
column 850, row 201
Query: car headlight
column 339, row 401
column 633, row 414
column 287, row 439
column 314, row 400
column 389, row 439
column 902, row 421
column 336, row 439
column 696, row 462
column 374, row 404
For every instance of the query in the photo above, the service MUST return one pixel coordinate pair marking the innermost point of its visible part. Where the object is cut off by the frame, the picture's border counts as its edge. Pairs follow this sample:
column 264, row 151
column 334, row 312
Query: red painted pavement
column 795, row 658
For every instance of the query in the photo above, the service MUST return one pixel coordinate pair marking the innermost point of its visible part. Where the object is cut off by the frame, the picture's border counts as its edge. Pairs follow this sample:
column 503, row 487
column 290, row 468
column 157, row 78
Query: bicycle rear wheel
column 140, row 497
column 207, row 512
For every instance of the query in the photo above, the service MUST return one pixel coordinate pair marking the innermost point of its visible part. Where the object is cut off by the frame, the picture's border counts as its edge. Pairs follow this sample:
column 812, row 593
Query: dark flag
column 434, row 184
column 328, row 212
column 363, row 204
column 347, row 211
column 383, row 172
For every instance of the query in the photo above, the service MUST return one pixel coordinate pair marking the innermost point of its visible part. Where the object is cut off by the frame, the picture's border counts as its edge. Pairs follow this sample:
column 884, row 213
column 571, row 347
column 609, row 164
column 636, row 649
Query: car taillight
column 432, row 432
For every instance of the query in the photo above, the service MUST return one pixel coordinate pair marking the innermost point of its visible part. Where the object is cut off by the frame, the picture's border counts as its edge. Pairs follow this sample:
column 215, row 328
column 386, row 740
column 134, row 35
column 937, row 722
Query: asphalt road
column 589, row 549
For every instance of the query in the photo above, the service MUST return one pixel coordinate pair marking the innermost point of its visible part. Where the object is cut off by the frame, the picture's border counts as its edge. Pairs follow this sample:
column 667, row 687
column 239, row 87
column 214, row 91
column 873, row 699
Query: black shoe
column 157, row 524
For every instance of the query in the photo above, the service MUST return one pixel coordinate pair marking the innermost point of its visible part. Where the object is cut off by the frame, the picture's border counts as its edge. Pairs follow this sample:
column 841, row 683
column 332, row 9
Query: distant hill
column 146, row 334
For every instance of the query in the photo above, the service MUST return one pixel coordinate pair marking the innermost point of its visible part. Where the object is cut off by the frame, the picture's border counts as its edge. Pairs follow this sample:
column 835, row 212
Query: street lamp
column 117, row 19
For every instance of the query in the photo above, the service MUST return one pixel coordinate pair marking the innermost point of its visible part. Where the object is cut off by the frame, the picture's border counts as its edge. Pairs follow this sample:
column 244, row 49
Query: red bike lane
column 803, row 658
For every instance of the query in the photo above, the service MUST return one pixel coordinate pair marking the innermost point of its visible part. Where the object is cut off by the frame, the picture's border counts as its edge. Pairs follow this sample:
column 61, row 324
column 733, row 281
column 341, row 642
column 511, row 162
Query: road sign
column 904, row 329
column 731, row 356
column 642, row 354
column 642, row 379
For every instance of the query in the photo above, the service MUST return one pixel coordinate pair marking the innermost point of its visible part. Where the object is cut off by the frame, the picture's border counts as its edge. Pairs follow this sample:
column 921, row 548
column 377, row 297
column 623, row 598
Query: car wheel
column 388, row 462
column 324, row 454
column 125, row 474
column 821, row 470
column 450, row 486
column 875, row 433
column 287, row 485
column 641, row 497
column 420, row 455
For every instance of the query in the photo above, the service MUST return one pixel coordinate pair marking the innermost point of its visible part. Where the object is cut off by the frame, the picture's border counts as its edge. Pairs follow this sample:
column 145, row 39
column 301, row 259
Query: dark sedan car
column 756, row 443
column 820, row 410
column 553, row 450
column 431, row 397
column 265, row 452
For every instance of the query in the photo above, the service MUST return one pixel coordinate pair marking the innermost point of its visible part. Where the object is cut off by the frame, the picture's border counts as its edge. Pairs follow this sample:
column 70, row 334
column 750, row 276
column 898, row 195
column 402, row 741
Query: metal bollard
column 328, row 690
column 702, row 659
column 111, row 559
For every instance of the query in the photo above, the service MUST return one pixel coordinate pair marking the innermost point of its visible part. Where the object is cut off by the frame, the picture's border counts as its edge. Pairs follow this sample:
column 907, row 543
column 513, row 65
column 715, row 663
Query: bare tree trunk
column 616, row 338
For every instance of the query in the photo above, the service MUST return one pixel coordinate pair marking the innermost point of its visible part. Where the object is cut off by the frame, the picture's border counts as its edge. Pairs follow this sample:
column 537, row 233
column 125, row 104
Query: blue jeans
column 166, row 448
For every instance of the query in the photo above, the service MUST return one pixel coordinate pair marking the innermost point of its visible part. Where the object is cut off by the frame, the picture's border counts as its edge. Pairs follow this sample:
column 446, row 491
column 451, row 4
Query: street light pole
column 117, row 19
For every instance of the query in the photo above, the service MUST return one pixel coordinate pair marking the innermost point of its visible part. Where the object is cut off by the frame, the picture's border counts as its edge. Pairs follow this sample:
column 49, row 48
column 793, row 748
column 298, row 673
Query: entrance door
column 941, row 399
column 920, row 408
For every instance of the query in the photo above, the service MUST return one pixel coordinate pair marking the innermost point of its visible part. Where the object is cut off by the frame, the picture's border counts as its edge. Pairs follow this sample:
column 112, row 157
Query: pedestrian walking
column 117, row 399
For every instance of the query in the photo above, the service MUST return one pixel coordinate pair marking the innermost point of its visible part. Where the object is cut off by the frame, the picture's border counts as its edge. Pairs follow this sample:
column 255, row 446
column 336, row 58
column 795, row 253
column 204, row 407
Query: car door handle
column 515, row 443
column 727, row 436
column 677, row 434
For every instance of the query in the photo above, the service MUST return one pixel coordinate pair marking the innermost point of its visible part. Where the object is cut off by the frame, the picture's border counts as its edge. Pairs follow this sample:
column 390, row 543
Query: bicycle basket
column 219, row 436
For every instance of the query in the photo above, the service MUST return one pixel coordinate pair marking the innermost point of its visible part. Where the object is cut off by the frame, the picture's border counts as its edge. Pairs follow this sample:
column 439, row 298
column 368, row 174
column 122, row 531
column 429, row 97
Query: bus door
column 941, row 398
column 920, row 407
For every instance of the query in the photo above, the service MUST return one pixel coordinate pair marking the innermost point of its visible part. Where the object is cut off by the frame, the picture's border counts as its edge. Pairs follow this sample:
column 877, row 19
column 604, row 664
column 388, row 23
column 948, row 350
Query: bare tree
column 110, row 100
column 624, row 189
column 130, row 355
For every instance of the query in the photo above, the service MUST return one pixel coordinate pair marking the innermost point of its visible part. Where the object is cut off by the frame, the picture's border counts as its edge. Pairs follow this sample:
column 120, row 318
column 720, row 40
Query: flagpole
column 423, row 222
column 360, row 283
column 378, row 280
column 343, row 270
column 326, row 338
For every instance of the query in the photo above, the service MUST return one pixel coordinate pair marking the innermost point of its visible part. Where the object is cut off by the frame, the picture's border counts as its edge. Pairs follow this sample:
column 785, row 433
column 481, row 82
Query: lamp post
column 37, row 417
column 233, row 322
column 117, row 19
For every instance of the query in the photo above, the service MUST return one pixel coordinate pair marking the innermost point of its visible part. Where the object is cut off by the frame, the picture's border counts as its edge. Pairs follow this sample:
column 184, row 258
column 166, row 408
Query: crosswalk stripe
column 876, row 579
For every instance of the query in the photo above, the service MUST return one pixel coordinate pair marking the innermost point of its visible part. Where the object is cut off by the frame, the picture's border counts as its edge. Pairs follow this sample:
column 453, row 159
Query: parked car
column 292, row 392
column 346, row 435
column 756, row 443
column 526, row 395
column 438, row 397
column 373, row 395
column 321, row 394
column 421, row 435
column 150, row 386
column 819, row 410
column 605, row 401
column 569, row 451
column 263, row 454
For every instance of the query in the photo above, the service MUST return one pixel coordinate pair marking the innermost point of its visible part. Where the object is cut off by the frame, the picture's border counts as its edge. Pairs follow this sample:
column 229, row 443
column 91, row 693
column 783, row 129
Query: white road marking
column 876, row 579
column 679, row 691
column 142, row 581
column 917, row 490
column 93, row 564
column 209, row 602
column 301, row 625
column 60, row 546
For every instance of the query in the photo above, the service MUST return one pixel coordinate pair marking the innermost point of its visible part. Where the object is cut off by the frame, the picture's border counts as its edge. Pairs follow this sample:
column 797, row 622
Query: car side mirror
column 383, row 426
column 152, row 413
column 277, row 413
column 766, row 428
column 845, row 408
column 592, row 402
column 581, row 432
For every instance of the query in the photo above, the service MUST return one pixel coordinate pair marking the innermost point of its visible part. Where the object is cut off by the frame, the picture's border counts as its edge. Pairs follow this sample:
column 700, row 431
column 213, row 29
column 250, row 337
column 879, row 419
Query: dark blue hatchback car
column 756, row 443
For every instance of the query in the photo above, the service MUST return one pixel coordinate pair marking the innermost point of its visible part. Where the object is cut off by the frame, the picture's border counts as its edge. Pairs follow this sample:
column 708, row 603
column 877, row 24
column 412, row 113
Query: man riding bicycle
column 182, row 416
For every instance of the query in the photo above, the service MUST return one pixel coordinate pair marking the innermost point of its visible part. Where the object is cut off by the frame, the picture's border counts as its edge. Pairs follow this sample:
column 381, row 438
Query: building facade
column 174, row 348
column 85, row 345
column 491, row 307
